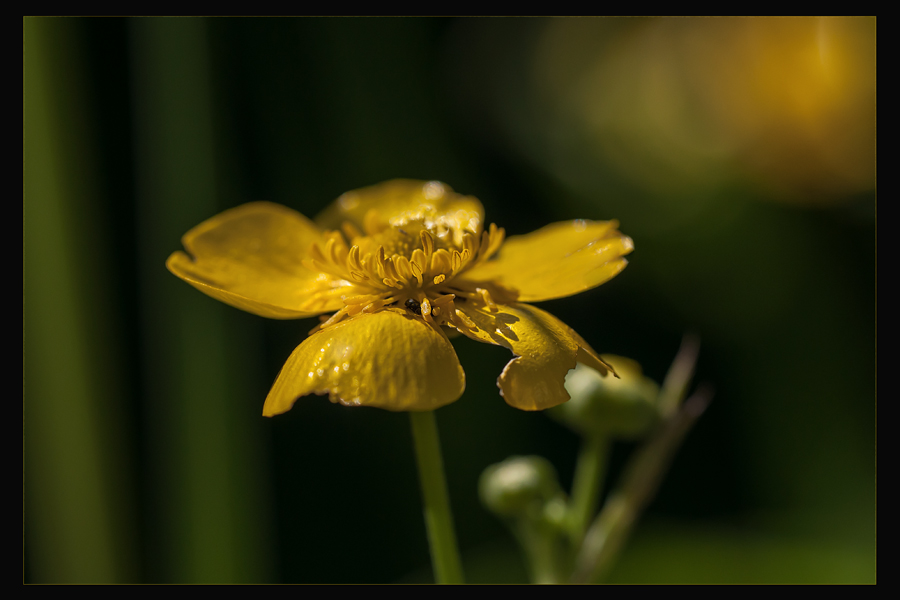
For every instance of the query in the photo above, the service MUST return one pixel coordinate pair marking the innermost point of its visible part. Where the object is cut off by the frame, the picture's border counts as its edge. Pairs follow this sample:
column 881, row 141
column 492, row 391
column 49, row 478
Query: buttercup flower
column 401, row 264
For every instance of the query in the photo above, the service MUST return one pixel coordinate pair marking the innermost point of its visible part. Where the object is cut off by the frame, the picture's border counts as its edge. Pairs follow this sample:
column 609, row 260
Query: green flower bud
column 626, row 407
column 520, row 486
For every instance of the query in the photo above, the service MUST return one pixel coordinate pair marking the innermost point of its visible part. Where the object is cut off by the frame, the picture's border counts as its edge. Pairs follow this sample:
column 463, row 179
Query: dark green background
column 145, row 455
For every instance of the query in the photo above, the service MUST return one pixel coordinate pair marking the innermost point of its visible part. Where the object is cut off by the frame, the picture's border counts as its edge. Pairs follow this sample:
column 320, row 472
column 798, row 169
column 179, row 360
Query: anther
column 402, row 264
column 329, row 249
column 440, row 261
column 465, row 319
column 442, row 300
column 427, row 242
column 353, row 259
column 373, row 306
column 485, row 242
column 486, row 296
column 469, row 243
column 418, row 258
column 330, row 321
column 416, row 271
column 390, row 269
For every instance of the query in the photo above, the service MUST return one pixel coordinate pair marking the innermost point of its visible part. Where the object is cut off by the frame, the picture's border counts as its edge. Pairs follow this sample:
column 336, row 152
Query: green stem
column 640, row 481
column 438, row 518
column 587, row 485
column 542, row 551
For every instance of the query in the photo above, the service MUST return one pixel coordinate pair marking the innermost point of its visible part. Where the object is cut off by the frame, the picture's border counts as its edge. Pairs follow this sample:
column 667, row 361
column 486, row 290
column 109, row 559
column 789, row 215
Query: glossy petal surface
column 546, row 349
column 250, row 257
column 558, row 260
column 400, row 200
column 388, row 359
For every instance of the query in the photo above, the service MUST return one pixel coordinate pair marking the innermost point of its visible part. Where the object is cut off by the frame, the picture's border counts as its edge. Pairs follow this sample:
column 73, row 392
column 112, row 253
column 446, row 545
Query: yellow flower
column 401, row 264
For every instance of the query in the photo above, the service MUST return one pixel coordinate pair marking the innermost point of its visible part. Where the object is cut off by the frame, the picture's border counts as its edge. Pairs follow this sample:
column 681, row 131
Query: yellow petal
column 388, row 359
column 401, row 200
column 588, row 356
column 546, row 349
column 558, row 260
column 250, row 257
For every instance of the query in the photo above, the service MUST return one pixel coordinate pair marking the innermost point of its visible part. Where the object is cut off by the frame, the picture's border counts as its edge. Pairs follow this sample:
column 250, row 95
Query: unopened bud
column 626, row 407
column 519, row 486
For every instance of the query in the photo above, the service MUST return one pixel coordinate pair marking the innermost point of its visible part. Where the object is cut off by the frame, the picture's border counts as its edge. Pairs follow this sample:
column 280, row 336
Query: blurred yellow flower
column 685, row 110
column 400, row 264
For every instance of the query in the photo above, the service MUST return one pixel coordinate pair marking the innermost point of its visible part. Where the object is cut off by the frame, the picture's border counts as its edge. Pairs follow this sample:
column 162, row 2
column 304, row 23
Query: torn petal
column 545, row 348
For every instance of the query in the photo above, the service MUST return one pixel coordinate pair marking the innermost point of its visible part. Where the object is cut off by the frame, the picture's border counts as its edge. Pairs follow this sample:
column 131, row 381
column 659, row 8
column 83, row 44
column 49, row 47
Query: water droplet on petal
column 349, row 201
column 433, row 190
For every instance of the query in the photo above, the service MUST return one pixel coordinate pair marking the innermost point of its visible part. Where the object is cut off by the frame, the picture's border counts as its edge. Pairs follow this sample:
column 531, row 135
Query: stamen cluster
column 426, row 282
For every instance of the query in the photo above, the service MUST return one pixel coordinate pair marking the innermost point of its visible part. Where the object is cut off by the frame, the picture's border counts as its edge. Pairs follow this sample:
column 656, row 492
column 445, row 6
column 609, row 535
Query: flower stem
column 438, row 518
column 542, row 551
column 640, row 481
column 589, row 473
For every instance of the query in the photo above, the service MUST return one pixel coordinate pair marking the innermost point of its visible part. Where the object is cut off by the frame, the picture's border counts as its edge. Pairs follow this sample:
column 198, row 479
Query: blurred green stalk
column 643, row 474
column 590, row 472
column 208, row 475
column 79, row 522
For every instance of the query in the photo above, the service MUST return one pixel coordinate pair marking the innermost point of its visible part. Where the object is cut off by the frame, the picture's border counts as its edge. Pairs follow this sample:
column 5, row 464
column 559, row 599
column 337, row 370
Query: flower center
column 415, row 265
